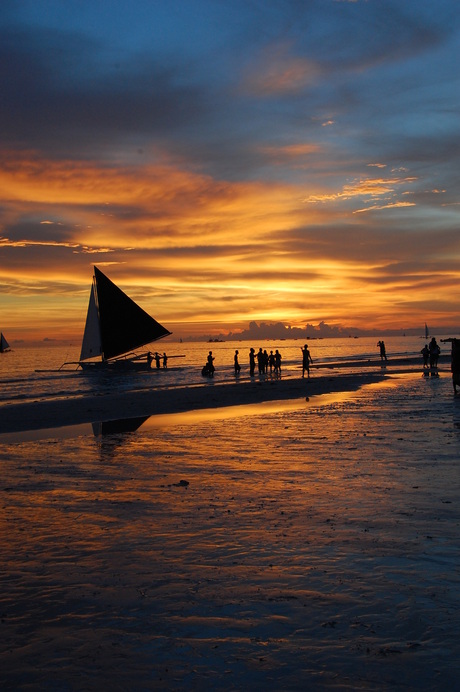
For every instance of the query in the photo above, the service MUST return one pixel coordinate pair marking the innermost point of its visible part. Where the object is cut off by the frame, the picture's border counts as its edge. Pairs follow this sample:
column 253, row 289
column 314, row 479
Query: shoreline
column 38, row 415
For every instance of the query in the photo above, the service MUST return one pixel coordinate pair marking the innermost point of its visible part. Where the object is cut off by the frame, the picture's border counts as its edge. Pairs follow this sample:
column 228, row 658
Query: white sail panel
column 91, row 344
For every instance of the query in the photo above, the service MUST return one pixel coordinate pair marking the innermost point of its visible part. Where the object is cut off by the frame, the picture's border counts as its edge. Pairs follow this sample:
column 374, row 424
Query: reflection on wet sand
column 123, row 425
column 167, row 420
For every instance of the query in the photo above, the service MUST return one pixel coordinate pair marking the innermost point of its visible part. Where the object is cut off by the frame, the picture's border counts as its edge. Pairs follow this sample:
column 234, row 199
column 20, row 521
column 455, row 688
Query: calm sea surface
column 20, row 381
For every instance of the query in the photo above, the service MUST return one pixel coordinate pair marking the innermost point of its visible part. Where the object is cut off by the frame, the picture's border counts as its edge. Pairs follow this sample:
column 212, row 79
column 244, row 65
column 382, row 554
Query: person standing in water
column 277, row 363
column 306, row 360
column 252, row 362
column 454, row 362
column 260, row 361
column 236, row 363
column 426, row 354
column 383, row 351
column 210, row 364
column 434, row 356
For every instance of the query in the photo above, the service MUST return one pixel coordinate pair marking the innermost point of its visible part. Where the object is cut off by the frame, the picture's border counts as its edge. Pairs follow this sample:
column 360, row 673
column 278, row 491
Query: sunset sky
column 229, row 161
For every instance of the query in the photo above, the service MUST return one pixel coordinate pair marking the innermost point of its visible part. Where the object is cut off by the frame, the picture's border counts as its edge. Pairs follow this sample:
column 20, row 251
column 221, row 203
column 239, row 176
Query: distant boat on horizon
column 4, row 345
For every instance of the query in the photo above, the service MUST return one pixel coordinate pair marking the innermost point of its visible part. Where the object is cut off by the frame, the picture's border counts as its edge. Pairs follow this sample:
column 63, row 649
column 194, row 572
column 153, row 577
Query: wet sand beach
column 213, row 393
column 113, row 404
column 314, row 548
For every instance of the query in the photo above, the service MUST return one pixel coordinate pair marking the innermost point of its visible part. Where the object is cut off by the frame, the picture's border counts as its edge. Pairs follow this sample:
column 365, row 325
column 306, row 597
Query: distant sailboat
column 115, row 326
column 427, row 332
column 4, row 345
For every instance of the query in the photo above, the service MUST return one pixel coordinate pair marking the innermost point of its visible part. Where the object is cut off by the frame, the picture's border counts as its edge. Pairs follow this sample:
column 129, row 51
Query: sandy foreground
column 308, row 548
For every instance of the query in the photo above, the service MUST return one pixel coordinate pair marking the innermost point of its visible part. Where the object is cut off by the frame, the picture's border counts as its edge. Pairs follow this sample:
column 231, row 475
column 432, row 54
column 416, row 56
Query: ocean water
column 29, row 374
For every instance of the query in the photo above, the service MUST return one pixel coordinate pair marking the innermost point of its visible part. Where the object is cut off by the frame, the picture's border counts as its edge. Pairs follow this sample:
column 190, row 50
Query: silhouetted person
column 277, row 362
column 271, row 361
column 165, row 360
column 383, row 351
column 426, row 354
column 210, row 364
column 265, row 361
column 149, row 359
column 306, row 360
column 434, row 356
column 252, row 362
column 236, row 363
column 260, row 361
column 455, row 362
column 157, row 360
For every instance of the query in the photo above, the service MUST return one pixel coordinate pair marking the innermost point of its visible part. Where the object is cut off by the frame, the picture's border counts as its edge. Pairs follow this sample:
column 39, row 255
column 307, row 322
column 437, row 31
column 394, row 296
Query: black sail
column 4, row 345
column 124, row 326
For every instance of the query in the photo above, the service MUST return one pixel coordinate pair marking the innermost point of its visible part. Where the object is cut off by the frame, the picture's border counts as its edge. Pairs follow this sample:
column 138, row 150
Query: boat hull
column 115, row 366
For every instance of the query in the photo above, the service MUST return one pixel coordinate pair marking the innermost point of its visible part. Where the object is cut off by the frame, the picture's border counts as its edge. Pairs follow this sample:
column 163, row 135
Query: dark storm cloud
column 70, row 94
column 56, row 97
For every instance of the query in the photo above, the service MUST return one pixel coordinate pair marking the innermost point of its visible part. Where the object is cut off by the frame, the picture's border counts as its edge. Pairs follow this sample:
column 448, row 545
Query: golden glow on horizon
column 189, row 248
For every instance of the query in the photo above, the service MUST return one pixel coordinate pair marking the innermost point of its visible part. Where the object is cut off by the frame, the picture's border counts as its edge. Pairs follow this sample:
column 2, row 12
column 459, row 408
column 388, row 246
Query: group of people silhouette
column 208, row 369
column 267, row 363
column 431, row 353
column 157, row 358
column 271, row 362
column 383, row 350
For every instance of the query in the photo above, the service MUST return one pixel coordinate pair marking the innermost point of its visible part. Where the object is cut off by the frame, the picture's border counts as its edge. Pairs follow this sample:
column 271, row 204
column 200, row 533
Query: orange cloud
column 376, row 207
column 154, row 207
column 368, row 187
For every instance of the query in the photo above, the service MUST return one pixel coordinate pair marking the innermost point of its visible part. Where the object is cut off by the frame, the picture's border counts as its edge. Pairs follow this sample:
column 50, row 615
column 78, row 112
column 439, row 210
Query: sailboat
column 4, row 345
column 427, row 333
column 115, row 326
